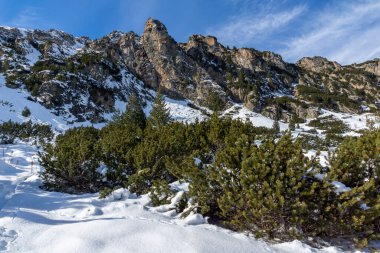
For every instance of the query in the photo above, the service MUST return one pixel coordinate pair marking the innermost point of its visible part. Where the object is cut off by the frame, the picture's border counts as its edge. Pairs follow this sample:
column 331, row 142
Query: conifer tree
column 357, row 160
column 71, row 164
column 241, row 80
column 276, row 126
column 26, row 112
column 356, row 164
column 292, row 123
column 118, row 140
column 134, row 113
column 215, row 102
column 230, row 81
column 160, row 114
column 269, row 190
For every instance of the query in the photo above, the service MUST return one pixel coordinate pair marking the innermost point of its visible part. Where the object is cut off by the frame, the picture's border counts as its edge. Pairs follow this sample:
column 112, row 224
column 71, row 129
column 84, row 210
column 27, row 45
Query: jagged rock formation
column 83, row 78
column 370, row 66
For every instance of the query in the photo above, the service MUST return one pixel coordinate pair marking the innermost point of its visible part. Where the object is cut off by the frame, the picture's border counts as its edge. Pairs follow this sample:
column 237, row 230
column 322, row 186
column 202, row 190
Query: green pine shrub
column 10, row 131
column 269, row 190
column 356, row 164
column 26, row 112
column 71, row 163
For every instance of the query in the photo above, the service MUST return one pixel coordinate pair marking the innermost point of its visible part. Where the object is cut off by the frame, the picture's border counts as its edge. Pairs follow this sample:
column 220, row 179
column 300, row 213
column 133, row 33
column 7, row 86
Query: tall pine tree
column 134, row 113
column 292, row 123
column 160, row 114
column 276, row 126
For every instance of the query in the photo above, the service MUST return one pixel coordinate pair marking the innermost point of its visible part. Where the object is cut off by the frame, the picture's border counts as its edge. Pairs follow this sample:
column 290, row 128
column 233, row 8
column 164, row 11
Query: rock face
column 177, row 73
column 83, row 78
column 318, row 64
column 370, row 66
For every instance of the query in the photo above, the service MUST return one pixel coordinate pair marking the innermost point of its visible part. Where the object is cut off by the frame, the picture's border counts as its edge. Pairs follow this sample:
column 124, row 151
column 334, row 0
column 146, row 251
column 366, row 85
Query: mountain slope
column 84, row 79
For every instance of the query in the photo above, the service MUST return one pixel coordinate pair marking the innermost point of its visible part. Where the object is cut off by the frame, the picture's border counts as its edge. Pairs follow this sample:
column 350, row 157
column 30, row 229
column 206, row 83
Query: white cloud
column 258, row 26
column 345, row 33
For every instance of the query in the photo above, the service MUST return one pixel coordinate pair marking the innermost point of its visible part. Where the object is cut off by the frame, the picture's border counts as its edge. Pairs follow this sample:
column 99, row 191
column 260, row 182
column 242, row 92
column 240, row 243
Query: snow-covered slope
column 33, row 220
column 13, row 101
column 258, row 120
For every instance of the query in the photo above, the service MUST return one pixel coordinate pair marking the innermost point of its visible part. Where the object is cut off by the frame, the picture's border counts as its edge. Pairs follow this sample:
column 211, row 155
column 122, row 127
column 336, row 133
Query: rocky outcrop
column 370, row 66
column 301, row 112
column 178, row 74
column 318, row 64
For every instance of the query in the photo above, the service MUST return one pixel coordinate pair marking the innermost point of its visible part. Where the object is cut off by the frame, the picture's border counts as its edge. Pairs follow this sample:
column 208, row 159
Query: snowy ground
column 239, row 112
column 33, row 220
column 13, row 102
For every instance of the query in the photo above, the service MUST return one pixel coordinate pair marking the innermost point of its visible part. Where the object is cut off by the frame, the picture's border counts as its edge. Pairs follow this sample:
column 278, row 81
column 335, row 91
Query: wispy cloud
column 27, row 18
column 346, row 33
column 256, row 25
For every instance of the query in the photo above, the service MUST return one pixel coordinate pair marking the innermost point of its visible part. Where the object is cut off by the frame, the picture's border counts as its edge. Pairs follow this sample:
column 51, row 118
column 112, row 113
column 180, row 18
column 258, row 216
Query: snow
column 6, row 27
column 180, row 186
column 119, row 194
column 179, row 110
column 340, row 187
column 34, row 220
column 323, row 156
column 194, row 219
column 297, row 246
column 197, row 161
column 354, row 121
column 72, row 50
column 258, row 120
column 33, row 55
column 13, row 101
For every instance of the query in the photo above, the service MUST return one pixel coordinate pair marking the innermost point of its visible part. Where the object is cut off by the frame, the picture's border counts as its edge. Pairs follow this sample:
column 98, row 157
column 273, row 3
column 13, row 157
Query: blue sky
column 346, row 31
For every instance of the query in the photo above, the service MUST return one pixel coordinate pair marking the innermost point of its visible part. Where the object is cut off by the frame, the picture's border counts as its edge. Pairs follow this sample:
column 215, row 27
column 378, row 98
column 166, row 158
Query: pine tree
column 356, row 164
column 276, row 127
column 26, row 112
column 269, row 190
column 134, row 113
column 71, row 164
column 160, row 114
column 230, row 81
column 118, row 142
column 292, row 123
column 359, row 157
column 241, row 80
column 215, row 102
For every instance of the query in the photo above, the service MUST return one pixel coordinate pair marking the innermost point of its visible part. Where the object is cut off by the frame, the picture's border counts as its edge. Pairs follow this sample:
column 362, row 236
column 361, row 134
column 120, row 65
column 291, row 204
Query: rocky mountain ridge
column 84, row 78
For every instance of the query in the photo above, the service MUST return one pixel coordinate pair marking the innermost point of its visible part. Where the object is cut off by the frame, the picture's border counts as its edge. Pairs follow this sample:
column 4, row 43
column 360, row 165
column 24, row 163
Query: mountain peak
column 153, row 25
